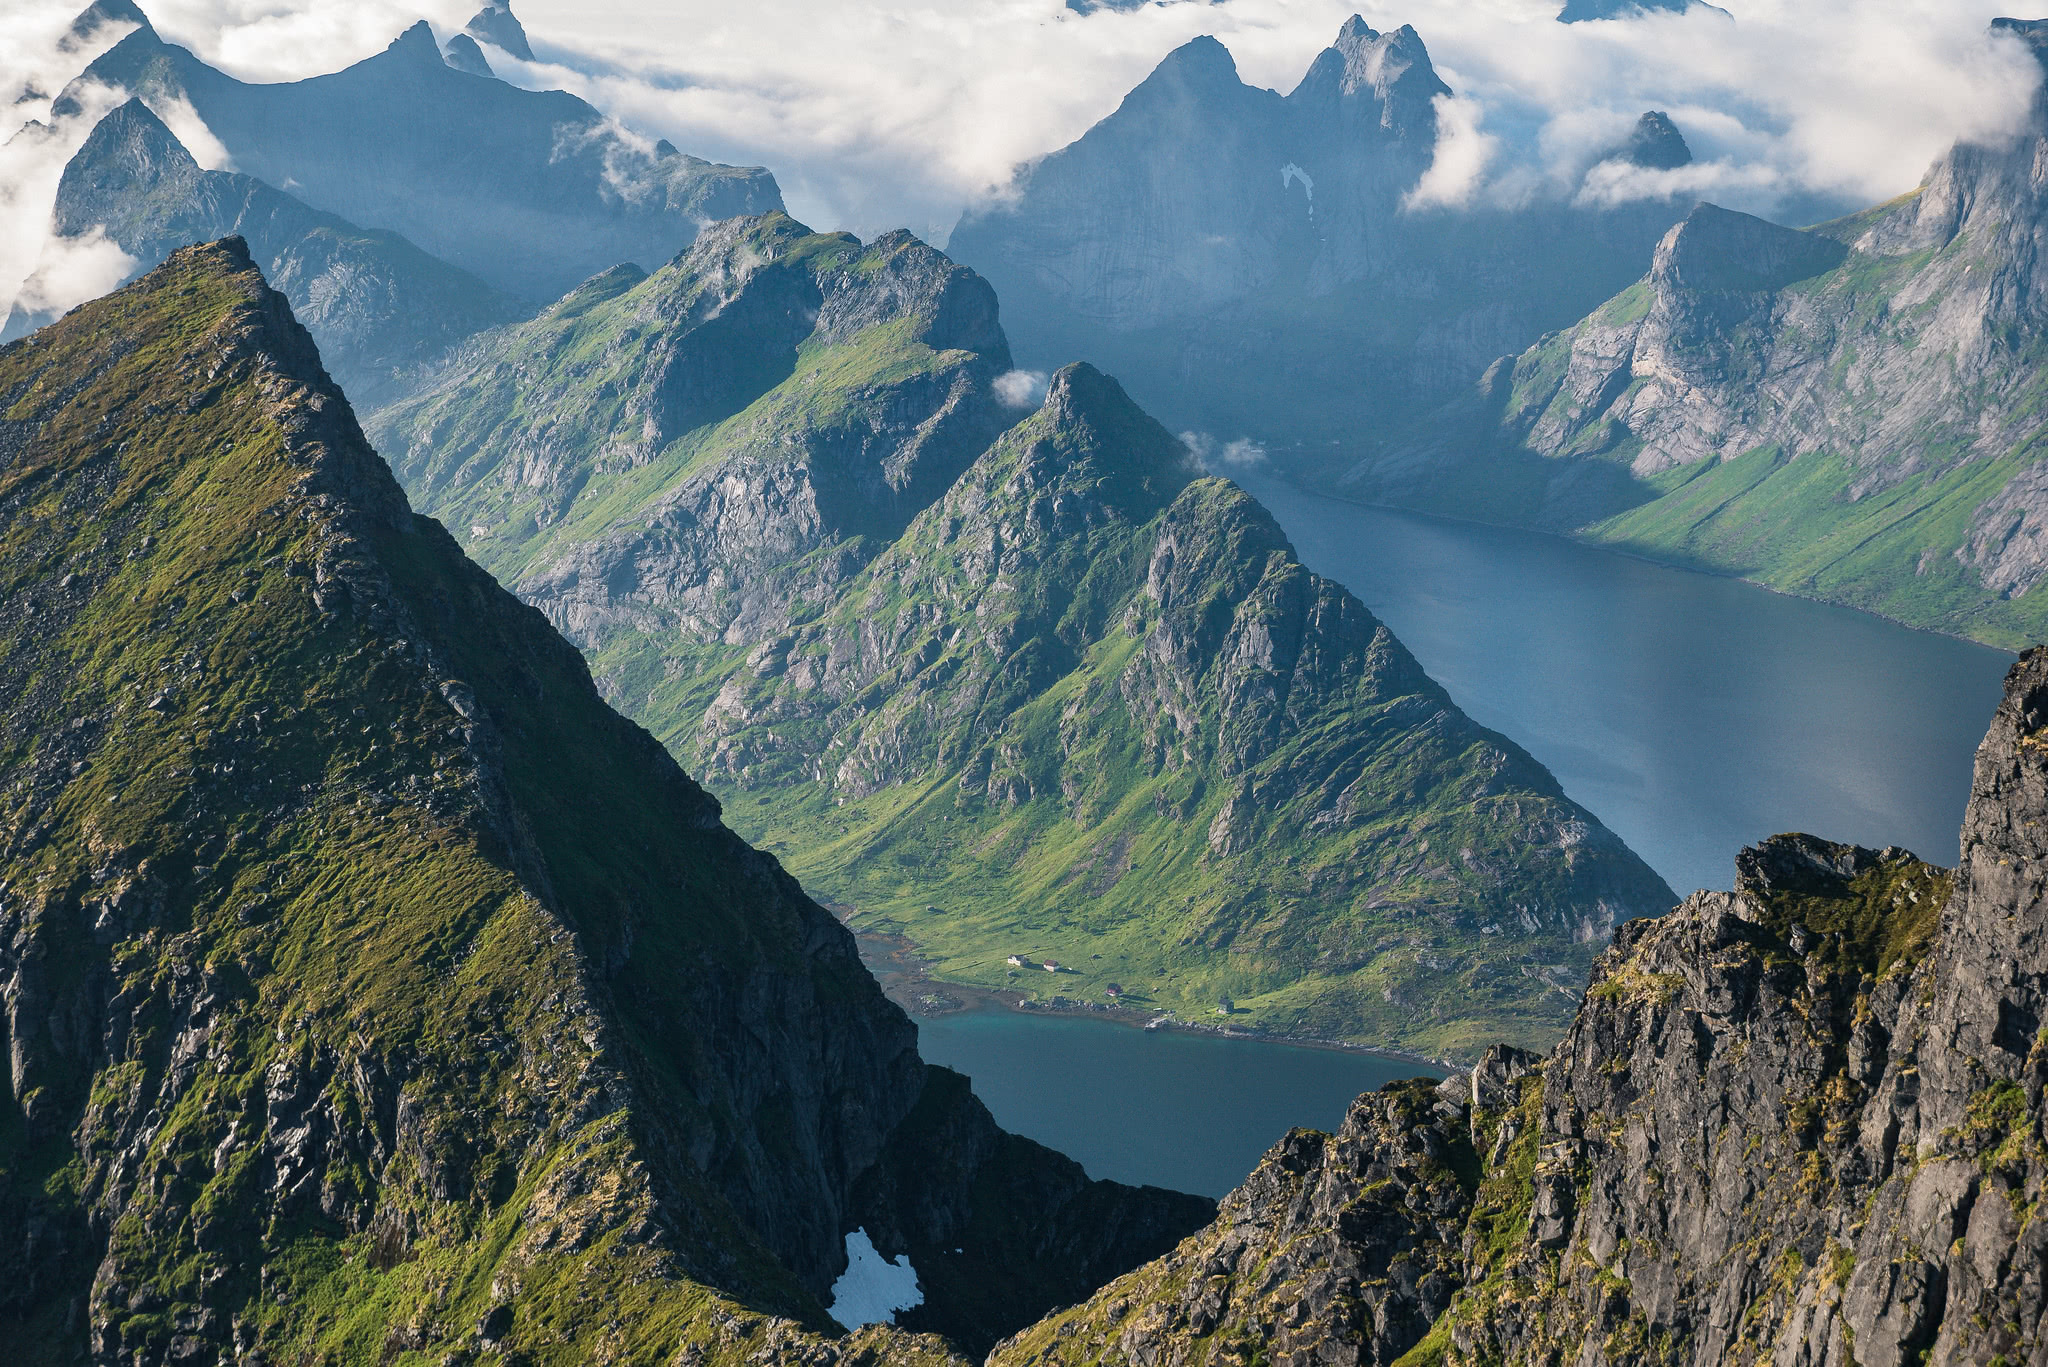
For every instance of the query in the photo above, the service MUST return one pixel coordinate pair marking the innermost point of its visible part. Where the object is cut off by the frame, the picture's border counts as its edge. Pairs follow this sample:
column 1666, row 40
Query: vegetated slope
column 374, row 993
column 694, row 474
column 1091, row 707
column 531, row 191
column 378, row 306
column 1851, row 412
column 1253, row 264
column 1802, row 1122
column 699, row 453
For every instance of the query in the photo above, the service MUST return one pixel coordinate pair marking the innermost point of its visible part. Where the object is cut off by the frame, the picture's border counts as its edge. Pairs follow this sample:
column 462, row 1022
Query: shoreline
column 1301, row 486
column 907, row 981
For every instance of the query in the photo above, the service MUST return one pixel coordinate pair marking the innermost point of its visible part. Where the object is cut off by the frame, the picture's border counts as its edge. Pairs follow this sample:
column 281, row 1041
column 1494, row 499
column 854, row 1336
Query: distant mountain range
column 1851, row 412
column 1291, row 267
column 1008, row 676
column 529, row 191
column 380, row 306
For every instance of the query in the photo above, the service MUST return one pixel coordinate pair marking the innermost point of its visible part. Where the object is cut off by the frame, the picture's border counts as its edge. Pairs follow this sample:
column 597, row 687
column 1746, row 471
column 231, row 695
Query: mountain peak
column 463, row 54
column 98, row 15
column 1721, row 249
column 497, row 25
column 1386, row 78
column 2032, row 32
column 417, row 44
column 131, row 145
column 1656, row 143
column 1201, row 60
column 1355, row 30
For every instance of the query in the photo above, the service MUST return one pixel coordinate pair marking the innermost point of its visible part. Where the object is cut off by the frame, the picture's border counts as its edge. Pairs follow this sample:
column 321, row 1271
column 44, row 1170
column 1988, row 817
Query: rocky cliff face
column 1099, row 706
column 378, row 306
column 371, row 990
column 1799, row 1123
column 699, row 453
column 530, row 191
column 1253, row 264
column 1849, row 411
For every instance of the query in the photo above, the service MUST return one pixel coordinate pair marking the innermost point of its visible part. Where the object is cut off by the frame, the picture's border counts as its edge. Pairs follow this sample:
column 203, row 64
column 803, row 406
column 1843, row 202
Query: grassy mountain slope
column 700, row 451
column 1853, row 412
column 1090, row 707
column 759, row 489
column 373, row 992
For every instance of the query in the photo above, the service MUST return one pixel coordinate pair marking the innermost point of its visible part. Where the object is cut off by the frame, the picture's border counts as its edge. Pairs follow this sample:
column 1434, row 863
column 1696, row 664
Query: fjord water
column 1190, row 1112
column 1694, row 714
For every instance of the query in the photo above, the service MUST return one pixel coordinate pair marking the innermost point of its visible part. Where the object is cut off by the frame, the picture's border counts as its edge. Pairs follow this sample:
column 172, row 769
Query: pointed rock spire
column 417, row 44
column 1387, row 78
column 1656, row 143
column 497, row 25
column 464, row 55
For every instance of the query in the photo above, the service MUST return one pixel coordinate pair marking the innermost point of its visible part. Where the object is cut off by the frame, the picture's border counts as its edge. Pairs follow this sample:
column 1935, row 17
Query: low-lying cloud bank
column 904, row 112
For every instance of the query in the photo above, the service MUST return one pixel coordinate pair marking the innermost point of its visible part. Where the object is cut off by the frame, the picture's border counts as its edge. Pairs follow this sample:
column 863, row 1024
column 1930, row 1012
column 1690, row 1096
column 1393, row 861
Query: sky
column 889, row 113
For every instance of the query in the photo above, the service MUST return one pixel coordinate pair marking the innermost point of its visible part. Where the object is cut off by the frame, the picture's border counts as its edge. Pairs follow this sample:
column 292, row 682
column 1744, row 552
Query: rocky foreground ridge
column 1798, row 1123
column 372, row 991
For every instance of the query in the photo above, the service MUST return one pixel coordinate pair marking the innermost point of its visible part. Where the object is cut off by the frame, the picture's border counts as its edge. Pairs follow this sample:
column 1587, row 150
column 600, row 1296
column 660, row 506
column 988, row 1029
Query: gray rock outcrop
column 1799, row 1123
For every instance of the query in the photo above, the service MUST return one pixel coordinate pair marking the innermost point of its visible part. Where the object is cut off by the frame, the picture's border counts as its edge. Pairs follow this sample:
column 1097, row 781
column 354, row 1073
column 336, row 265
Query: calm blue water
column 1190, row 1112
column 1693, row 714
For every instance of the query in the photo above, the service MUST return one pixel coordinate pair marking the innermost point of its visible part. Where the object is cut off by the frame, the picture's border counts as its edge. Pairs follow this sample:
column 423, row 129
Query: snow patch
column 873, row 1289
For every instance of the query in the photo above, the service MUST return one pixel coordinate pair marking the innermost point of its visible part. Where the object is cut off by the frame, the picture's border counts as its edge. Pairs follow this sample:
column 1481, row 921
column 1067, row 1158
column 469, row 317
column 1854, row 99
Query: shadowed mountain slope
column 373, row 992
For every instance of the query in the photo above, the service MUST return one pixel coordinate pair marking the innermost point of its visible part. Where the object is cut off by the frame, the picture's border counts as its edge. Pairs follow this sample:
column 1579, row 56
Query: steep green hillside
column 701, row 450
column 373, row 992
column 1041, row 692
column 1853, row 412
column 1091, row 708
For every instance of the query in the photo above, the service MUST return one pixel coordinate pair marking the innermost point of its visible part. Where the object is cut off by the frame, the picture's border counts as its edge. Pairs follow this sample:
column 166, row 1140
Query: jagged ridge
column 1091, row 705
column 1798, row 1123
column 1850, row 412
column 371, row 988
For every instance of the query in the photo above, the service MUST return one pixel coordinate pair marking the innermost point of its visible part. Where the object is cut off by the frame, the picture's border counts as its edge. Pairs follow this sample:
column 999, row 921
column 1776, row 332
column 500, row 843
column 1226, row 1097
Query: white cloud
column 1462, row 155
column 1223, row 458
column 31, row 165
column 187, row 127
column 1020, row 388
column 902, row 112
